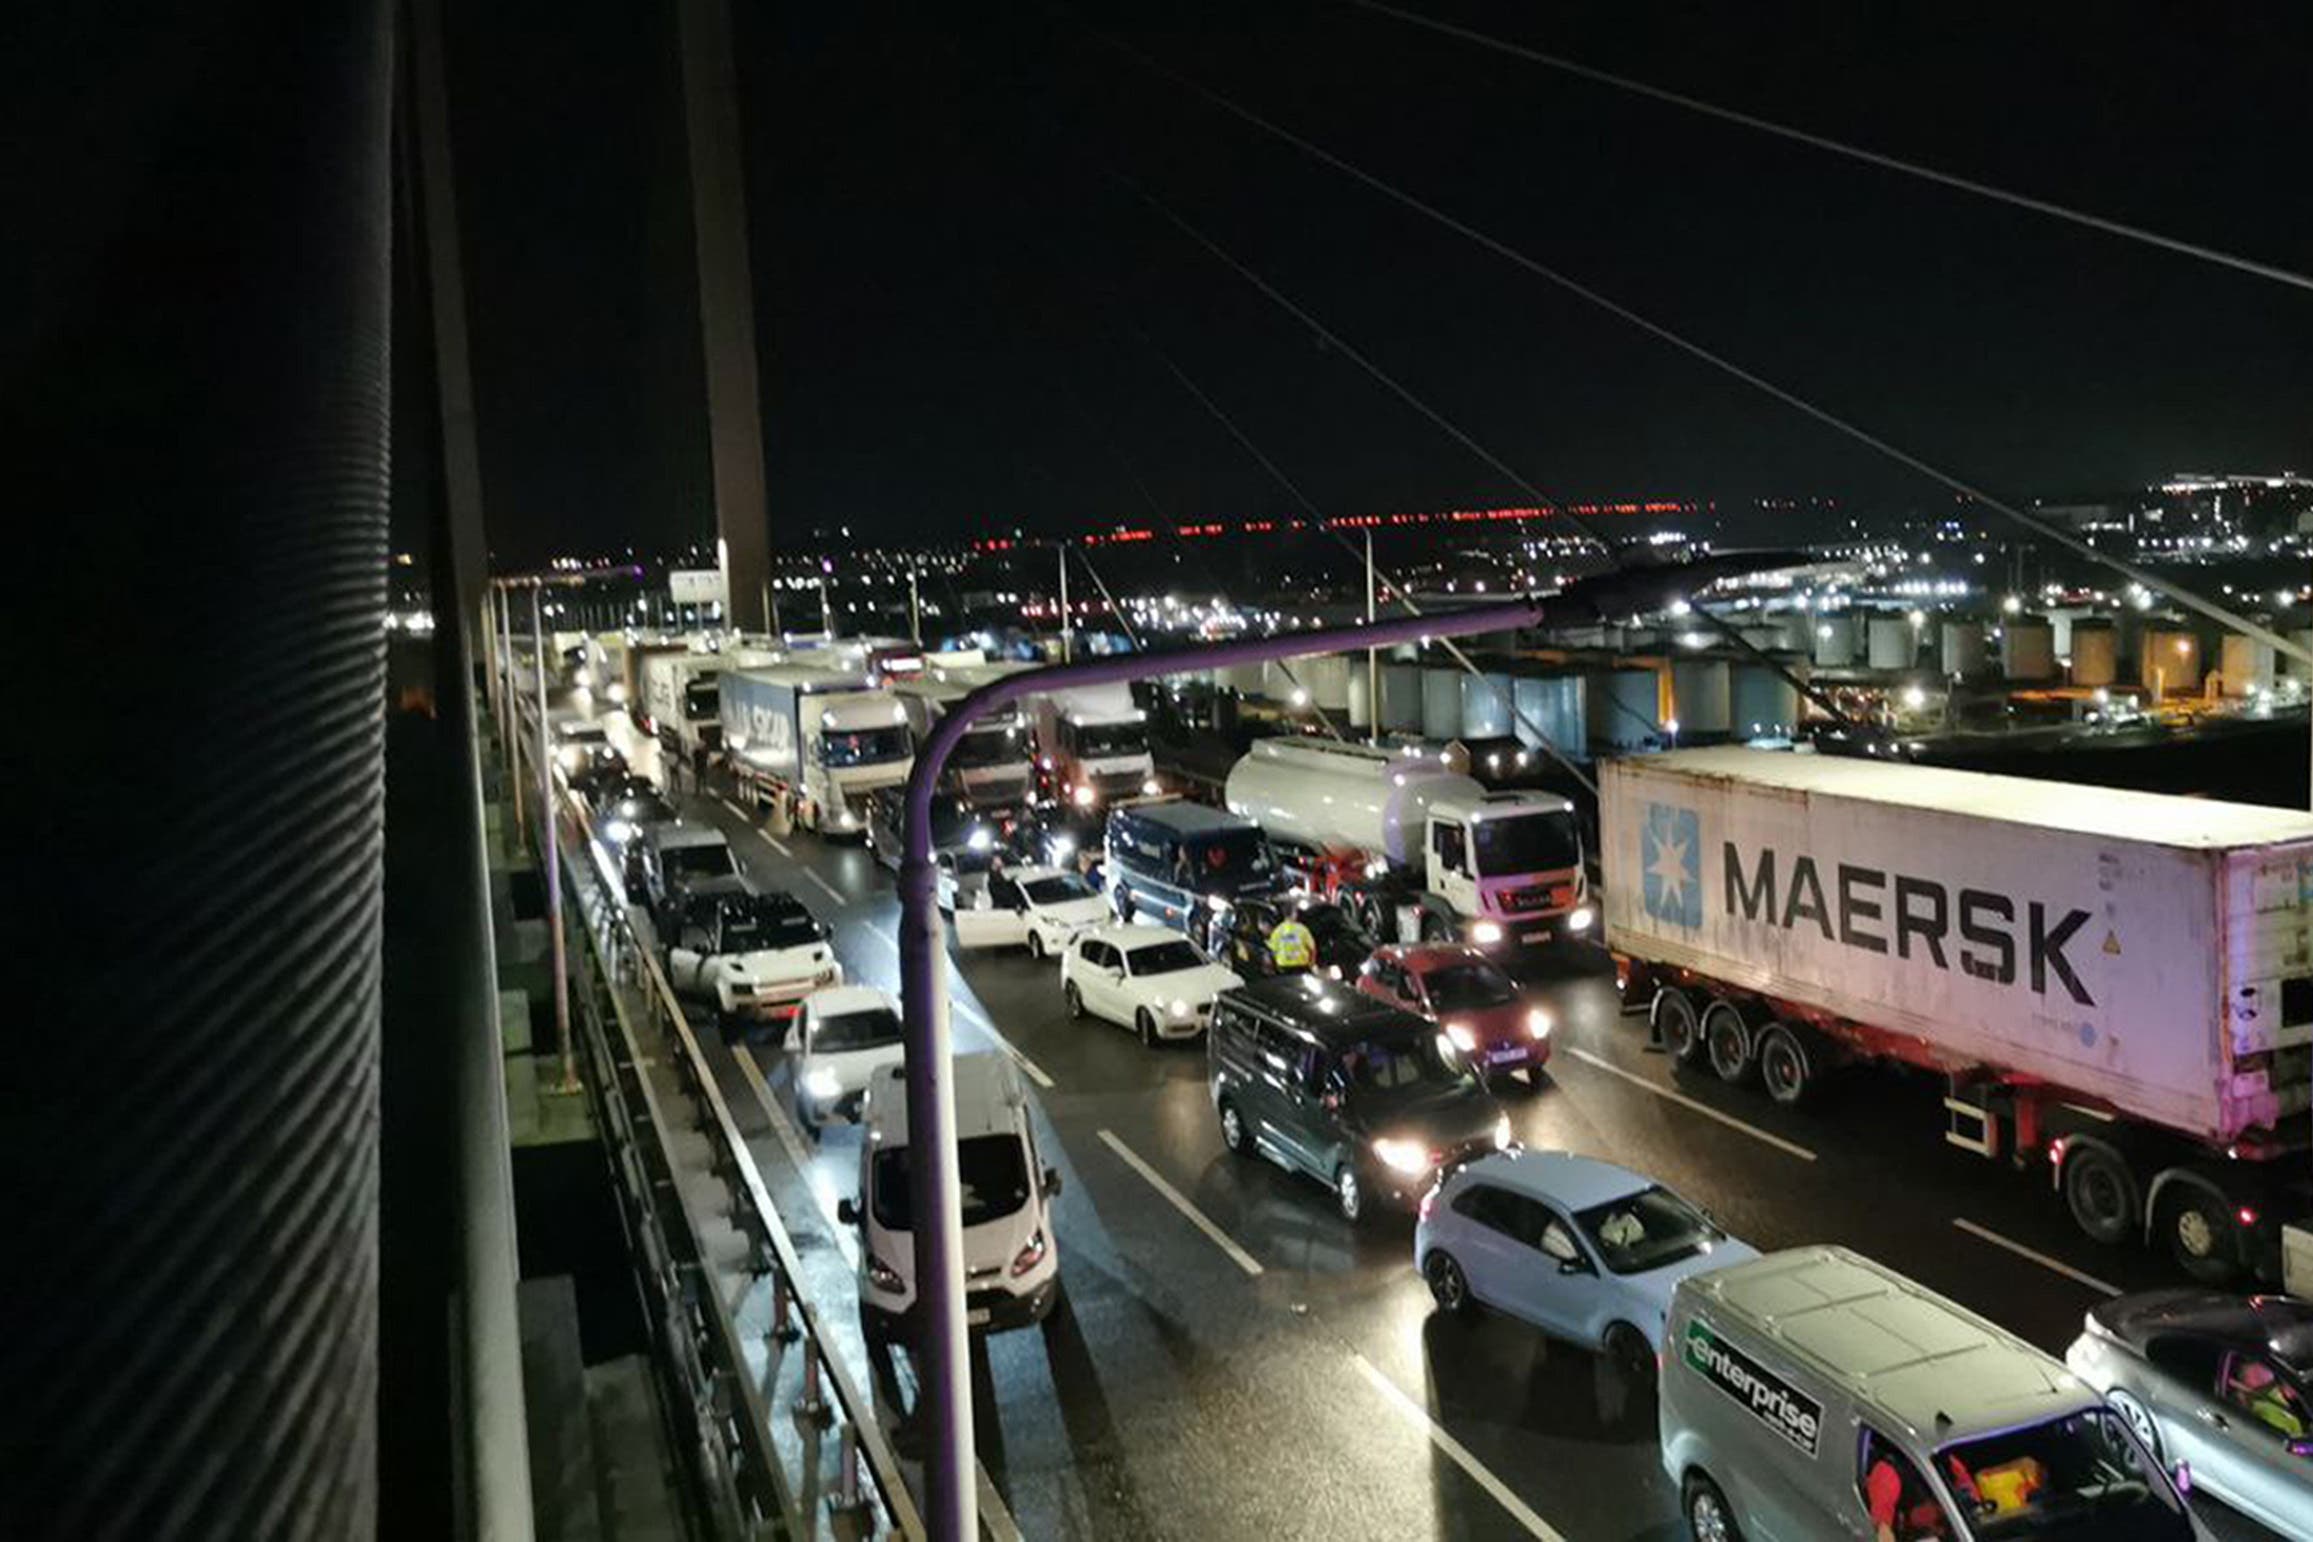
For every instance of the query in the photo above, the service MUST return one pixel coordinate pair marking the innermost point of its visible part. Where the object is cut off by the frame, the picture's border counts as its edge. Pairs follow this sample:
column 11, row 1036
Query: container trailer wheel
column 2101, row 1193
column 1786, row 1066
column 2202, row 1237
column 1729, row 1042
column 1677, row 1028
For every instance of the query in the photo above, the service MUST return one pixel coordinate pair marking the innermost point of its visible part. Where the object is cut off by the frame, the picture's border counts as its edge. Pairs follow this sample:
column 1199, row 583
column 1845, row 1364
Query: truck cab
column 1094, row 746
column 1506, row 867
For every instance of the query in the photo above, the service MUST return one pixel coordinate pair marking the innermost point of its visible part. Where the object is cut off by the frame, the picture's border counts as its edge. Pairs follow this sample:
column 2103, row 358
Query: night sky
column 959, row 304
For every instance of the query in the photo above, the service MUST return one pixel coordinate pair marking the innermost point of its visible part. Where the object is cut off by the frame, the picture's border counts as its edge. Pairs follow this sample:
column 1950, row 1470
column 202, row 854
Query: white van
column 1011, row 1258
column 1816, row 1394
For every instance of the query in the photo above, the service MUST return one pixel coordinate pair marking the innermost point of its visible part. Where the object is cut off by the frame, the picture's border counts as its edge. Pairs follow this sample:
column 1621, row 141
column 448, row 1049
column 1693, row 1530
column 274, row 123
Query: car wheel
column 1785, row 1066
column 1449, row 1287
column 1036, row 946
column 1727, row 1041
column 2101, row 1193
column 1677, row 1026
column 1074, row 998
column 1628, row 1351
column 1234, row 1133
column 2139, row 1419
column 2202, row 1237
column 1144, row 1022
column 1709, row 1517
column 1349, row 1193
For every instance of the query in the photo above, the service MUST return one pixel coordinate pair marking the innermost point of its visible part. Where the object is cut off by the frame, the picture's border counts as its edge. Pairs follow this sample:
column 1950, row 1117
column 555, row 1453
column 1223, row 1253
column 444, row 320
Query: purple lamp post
column 935, row 1197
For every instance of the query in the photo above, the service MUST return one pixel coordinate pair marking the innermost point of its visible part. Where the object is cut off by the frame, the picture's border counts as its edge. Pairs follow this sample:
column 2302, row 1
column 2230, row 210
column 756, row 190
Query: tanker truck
column 1418, row 852
column 2115, row 987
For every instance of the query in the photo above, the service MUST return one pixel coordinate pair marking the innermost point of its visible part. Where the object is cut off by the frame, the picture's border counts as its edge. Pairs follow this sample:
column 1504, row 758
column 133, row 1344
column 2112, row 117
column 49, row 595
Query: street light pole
column 1067, row 651
column 934, row 1183
column 553, row 846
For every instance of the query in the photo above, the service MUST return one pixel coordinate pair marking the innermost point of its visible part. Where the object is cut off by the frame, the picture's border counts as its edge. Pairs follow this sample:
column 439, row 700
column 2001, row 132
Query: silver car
column 2219, row 1384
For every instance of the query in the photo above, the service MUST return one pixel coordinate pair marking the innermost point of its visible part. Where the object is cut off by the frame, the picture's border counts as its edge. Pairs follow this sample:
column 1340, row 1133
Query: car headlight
column 1151, row 788
column 618, row 832
column 1463, row 1039
column 1486, row 933
column 1404, row 1156
column 1180, row 1007
column 883, row 1276
column 1502, row 1133
column 1030, row 1256
column 1580, row 918
column 823, row 1084
column 1333, row 971
column 1062, row 849
column 1538, row 1024
column 981, row 839
column 847, row 819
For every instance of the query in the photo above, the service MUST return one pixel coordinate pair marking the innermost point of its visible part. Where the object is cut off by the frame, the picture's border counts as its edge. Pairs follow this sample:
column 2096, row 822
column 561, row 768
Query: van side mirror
column 1051, row 1183
column 847, row 1211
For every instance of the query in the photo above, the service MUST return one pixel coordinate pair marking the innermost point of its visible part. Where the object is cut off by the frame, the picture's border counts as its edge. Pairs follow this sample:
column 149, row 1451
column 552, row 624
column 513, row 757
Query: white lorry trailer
column 993, row 767
column 683, row 697
column 1093, row 744
column 2119, row 984
column 1388, row 833
column 814, row 745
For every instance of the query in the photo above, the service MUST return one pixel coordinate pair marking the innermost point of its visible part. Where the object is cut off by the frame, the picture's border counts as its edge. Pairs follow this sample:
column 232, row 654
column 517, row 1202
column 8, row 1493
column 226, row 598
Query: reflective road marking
column 1792, row 1148
column 2042, row 1259
column 1180, row 1202
column 1476, row 1470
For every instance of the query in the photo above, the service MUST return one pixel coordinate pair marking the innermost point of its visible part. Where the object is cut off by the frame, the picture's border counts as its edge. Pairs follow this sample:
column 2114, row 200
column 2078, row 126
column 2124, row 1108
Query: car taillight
column 1030, row 1256
column 1429, row 1201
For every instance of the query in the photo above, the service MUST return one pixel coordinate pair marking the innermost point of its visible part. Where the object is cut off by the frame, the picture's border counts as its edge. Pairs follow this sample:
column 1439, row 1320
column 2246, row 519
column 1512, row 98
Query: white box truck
column 1093, row 745
column 683, row 696
column 1390, row 832
column 814, row 745
column 2117, row 983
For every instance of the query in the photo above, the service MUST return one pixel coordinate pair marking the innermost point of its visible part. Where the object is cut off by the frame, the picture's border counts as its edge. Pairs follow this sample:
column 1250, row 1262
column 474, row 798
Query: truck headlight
column 1082, row 795
column 1151, row 787
column 823, row 1084
column 618, row 832
column 1579, row 919
column 1403, row 1156
column 1538, row 1024
column 1486, row 933
column 847, row 820
column 1502, row 1133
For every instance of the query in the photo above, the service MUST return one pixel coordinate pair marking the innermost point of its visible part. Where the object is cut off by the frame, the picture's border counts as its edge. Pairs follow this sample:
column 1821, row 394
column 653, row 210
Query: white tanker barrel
column 1343, row 795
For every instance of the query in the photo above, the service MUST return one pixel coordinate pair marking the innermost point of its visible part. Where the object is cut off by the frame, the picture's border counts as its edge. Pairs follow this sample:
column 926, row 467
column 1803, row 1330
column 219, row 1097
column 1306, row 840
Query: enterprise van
column 1178, row 864
column 1814, row 1393
column 1011, row 1258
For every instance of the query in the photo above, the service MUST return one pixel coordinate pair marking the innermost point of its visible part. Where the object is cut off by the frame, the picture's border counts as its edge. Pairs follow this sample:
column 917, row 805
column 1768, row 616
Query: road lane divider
column 826, row 888
column 1459, row 1454
column 1180, row 1202
column 822, row 1192
column 1672, row 1094
column 2053, row 1265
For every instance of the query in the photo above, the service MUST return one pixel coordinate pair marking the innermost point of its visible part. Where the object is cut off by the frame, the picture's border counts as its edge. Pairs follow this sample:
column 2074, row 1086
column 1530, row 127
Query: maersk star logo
column 1670, row 852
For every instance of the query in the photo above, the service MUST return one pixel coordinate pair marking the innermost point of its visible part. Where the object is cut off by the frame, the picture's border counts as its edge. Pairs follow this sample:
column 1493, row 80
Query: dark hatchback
column 1329, row 941
column 1371, row 1101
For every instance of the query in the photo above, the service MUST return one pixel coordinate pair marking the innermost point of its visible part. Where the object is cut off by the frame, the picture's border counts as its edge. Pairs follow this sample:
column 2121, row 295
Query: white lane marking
column 959, row 1007
column 2043, row 1260
column 1792, row 1148
column 777, row 844
column 826, row 888
column 1035, row 1072
column 1475, row 1469
column 744, row 817
column 791, row 1138
column 1180, row 1202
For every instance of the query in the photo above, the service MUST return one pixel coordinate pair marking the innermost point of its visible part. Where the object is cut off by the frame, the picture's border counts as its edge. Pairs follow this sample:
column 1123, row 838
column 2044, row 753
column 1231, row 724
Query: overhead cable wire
column 1678, row 340
column 1828, row 145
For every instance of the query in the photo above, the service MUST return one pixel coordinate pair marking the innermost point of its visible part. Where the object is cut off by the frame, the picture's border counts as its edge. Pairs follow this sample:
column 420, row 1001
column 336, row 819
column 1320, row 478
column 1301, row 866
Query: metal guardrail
column 844, row 1459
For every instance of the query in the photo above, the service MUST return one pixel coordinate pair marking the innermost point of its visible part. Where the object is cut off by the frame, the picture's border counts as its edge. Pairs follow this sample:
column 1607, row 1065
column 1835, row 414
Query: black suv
column 1369, row 1100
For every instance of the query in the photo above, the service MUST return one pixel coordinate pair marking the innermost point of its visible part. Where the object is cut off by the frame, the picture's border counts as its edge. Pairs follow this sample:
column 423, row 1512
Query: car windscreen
column 1058, row 889
column 1467, row 987
column 1647, row 1230
column 1509, row 844
column 1405, row 1066
column 703, row 699
column 688, row 862
column 1165, row 958
column 1105, row 741
column 582, row 733
column 749, row 930
column 999, row 746
column 2076, row 1479
column 994, row 1174
column 866, row 746
column 841, row 1032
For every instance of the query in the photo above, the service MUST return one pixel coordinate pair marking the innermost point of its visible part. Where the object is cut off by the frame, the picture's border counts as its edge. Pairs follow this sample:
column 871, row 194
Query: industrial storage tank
column 1244, row 679
column 2290, row 663
column 1701, row 698
column 1485, row 705
column 1360, row 702
column 1891, row 642
column 1794, row 633
column 2095, row 651
column 1327, row 678
column 2247, row 664
column 1833, row 644
column 2169, row 661
column 1401, row 699
column 1765, row 703
column 2028, row 648
column 1553, row 705
column 1441, row 702
column 1624, row 707
column 1963, row 648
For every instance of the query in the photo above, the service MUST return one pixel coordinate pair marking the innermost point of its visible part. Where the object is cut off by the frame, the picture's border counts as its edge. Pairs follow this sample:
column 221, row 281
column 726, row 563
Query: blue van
column 1178, row 863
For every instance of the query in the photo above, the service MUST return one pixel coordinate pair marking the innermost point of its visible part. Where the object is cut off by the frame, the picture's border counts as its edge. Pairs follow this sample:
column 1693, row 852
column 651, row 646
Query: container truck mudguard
column 2151, row 954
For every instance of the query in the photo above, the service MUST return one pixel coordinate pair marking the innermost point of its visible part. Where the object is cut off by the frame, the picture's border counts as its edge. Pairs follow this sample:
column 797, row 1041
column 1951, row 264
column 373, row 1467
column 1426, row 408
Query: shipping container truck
column 814, row 746
column 1416, row 850
column 2116, row 986
column 1092, row 745
column 993, row 767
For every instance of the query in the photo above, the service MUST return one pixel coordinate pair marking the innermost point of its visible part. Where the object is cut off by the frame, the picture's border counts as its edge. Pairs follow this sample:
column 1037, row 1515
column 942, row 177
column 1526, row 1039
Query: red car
column 1467, row 995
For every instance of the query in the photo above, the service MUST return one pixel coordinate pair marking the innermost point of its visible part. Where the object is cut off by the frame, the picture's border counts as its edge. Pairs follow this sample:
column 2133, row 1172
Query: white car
column 756, row 955
column 843, row 1036
column 1150, row 979
column 1042, row 908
